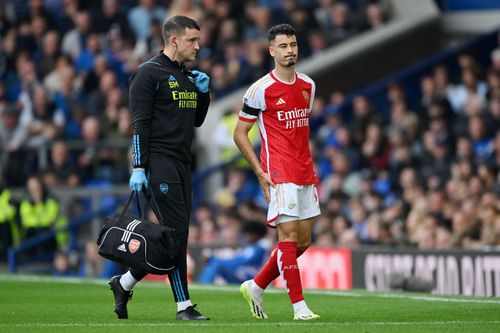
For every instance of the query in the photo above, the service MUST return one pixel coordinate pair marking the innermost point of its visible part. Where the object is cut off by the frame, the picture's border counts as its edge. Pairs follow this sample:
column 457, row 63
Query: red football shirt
column 282, row 110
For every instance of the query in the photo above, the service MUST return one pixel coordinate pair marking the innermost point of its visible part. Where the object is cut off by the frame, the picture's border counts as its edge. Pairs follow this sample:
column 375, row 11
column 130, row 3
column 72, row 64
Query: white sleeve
column 313, row 93
column 313, row 88
column 253, row 104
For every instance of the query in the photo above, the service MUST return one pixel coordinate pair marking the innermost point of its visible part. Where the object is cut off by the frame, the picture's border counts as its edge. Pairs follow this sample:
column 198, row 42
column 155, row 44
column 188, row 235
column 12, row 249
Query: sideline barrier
column 451, row 272
column 324, row 268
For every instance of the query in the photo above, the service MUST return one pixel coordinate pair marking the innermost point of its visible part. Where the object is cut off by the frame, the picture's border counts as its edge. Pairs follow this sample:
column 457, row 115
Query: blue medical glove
column 201, row 80
column 138, row 180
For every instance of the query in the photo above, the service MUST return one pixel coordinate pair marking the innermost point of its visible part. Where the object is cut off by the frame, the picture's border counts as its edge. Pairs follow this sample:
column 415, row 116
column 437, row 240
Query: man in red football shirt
column 281, row 102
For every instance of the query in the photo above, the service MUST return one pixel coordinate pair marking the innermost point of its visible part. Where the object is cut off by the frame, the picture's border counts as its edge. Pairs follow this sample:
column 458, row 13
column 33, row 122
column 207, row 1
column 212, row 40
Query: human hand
column 265, row 182
column 201, row 80
column 138, row 180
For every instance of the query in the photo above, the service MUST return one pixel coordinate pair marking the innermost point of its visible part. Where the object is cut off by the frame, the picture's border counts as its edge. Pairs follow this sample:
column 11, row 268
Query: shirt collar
column 174, row 63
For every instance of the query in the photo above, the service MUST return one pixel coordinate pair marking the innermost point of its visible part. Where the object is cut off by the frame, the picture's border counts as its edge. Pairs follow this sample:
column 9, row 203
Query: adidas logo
column 281, row 101
column 172, row 78
column 122, row 248
column 130, row 228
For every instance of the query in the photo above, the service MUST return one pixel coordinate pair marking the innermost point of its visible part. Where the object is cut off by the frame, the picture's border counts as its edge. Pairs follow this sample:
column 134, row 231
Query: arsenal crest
column 134, row 245
column 307, row 96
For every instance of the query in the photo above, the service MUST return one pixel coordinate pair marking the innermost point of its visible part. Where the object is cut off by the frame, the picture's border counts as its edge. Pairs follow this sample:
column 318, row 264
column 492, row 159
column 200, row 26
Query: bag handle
column 147, row 193
column 172, row 241
column 125, row 208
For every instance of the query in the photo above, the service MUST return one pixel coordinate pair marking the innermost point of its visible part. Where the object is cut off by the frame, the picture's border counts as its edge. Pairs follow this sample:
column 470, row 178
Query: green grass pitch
column 37, row 304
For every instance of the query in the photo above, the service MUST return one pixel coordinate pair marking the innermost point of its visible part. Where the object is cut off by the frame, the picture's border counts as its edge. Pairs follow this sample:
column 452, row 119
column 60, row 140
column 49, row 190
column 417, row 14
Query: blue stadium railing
column 468, row 5
column 13, row 252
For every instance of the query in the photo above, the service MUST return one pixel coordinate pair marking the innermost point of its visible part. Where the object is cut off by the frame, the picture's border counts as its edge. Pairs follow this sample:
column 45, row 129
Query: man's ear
column 173, row 41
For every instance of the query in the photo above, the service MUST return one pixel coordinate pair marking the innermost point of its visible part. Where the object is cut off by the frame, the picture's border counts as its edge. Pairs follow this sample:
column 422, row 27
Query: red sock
column 289, row 269
column 270, row 270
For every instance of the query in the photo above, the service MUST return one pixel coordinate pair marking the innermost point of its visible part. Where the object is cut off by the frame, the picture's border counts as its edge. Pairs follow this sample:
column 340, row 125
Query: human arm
column 202, row 82
column 142, row 96
column 245, row 146
column 18, row 138
column 138, row 179
column 202, row 108
column 21, row 132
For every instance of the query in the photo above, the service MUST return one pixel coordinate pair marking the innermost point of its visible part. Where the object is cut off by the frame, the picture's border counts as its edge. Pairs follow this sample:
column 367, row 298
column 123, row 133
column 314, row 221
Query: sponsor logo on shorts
column 122, row 248
column 134, row 245
column 291, row 206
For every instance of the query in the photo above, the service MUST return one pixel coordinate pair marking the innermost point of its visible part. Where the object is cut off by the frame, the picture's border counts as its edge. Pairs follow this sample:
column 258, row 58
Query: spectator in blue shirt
column 140, row 18
column 245, row 264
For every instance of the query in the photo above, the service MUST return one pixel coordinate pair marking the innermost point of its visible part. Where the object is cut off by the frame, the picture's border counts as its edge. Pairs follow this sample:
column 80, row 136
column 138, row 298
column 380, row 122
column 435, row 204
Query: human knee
column 290, row 237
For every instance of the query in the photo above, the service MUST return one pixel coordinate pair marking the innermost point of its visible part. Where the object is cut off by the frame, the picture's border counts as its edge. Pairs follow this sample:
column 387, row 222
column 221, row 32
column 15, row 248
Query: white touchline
column 253, row 324
column 344, row 293
column 341, row 293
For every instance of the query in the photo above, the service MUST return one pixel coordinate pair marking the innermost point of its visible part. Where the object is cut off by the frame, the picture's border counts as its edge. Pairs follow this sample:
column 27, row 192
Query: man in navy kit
column 167, row 102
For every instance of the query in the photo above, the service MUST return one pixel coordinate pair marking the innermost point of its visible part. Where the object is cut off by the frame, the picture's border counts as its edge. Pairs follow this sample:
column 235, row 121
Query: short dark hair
column 280, row 29
column 177, row 25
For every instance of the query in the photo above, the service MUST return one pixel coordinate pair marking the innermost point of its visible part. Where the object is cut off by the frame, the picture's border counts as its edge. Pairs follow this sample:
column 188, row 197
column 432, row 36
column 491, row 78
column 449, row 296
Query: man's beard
column 290, row 63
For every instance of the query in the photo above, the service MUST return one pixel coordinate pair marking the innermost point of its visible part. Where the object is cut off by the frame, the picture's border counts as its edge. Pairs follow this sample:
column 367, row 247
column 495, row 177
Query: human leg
column 131, row 278
column 228, row 273
column 210, row 271
column 171, row 187
column 269, row 272
column 215, row 268
column 122, row 286
column 294, row 208
column 283, row 209
column 289, row 235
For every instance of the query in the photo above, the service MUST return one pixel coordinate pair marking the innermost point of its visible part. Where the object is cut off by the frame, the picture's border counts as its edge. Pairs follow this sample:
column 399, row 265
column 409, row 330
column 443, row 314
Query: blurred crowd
column 64, row 68
column 425, row 175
